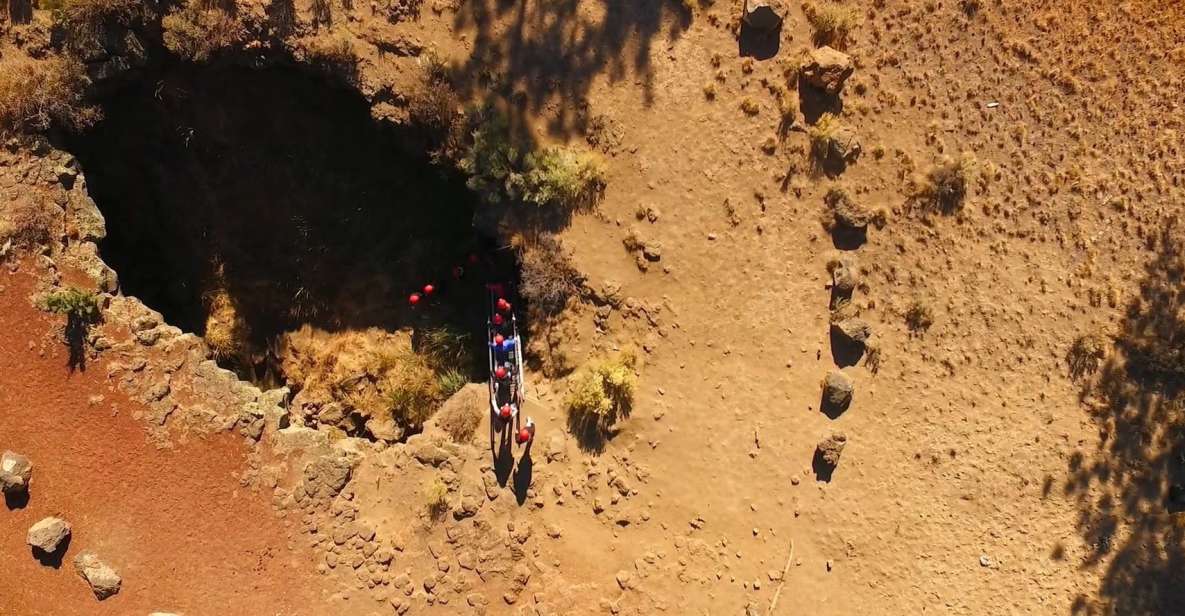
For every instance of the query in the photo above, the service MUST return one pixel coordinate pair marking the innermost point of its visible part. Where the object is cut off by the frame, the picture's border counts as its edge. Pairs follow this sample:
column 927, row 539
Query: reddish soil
column 174, row 523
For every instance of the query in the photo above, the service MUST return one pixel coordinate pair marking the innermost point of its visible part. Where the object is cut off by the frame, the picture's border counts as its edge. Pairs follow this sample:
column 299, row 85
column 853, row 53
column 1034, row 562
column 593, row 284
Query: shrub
column 227, row 333
column 1086, row 353
column 557, row 177
column 435, row 494
column 548, row 278
column 451, row 381
column 197, row 34
column 444, row 348
column 78, row 305
column 918, row 317
column 944, row 187
column 824, row 136
column 562, row 178
column 411, row 389
column 602, row 394
column 832, row 23
column 35, row 94
column 434, row 107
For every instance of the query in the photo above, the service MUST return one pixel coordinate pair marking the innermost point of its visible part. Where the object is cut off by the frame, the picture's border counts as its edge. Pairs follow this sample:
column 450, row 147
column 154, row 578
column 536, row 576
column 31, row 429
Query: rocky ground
column 852, row 397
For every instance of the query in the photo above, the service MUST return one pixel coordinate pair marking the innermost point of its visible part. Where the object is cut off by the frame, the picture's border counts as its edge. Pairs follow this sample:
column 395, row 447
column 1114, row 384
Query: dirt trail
column 174, row 523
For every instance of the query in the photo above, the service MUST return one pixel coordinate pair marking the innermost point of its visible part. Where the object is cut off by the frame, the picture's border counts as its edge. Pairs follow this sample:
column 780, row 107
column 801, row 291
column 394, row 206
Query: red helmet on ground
column 500, row 372
column 505, row 411
column 498, row 320
column 413, row 299
column 523, row 435
column 498, row 339
column 429, row 289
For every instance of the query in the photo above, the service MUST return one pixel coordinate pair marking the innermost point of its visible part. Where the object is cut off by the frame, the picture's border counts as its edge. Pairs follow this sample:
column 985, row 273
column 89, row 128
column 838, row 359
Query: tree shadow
column 544, row 55
column 1129, row 491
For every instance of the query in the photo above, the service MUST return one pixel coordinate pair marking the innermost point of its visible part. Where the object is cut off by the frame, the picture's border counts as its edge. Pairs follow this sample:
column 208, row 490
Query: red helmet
column 503, row 305
column 413, row 299
column 429, row 289
column 505, row 412
column 498, row 320
column 524, row 435
column 498, row 339
column 500, row 372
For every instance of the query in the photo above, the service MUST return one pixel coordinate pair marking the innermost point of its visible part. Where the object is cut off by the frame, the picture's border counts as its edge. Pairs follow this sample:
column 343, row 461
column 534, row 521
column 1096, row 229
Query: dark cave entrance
column 274, row 191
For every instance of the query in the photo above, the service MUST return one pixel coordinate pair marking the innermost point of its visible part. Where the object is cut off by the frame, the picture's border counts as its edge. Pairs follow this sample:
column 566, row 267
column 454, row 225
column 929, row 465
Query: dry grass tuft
column 602, row 394
column 944, row 186
column 198, row 34
column 918, row 317
column 548, row 278
column 435, row 495
column 227, row 333
column 37, row 94
column 27, row 224
column 832, row 23
column 1086, row 354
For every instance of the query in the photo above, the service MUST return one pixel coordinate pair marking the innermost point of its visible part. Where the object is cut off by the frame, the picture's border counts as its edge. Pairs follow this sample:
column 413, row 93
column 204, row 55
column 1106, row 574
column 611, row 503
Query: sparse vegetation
column 73, row 302
column 445, row 348
column 832, row 23
column 559, row 178
column 750, row 107
column 1086, row 353
column 410, row 389
column 435, row 495
column 35, row 94
column 227, row 333
column 335, row 54
column 198, row 33
column 602, row 394
column 548, row 278
column 918, row 317
column 944, row 187
column 563, row 178
column 27, row 224
column 710, row 91
column 824, row 136
column 451, row 381
column 82, row 24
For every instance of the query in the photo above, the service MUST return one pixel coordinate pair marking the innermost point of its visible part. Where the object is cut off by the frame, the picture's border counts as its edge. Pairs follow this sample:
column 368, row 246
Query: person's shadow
column 503, row 456
column 522, row 475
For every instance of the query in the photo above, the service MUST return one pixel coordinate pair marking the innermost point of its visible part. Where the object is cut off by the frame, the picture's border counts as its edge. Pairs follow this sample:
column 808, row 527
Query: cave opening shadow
column 274, row 192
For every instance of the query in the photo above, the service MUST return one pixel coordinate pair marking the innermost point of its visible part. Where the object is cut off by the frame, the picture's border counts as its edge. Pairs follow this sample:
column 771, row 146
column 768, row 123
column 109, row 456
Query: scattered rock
column 846, row 214
column 48, row 534
column 557, row 448
column 103, row 580
column 827, row 69
column 837, row 392
column 984, row 561
column 827, row 454
column 844, row 276
column 15, row 472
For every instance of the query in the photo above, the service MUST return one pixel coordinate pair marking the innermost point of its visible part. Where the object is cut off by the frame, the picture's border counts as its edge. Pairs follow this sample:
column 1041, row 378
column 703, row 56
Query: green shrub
column 824, row 136
column 445, row 348
column 451, row 381
column 555, row 177
column 561, row 178
column 602, row 394
column 73, row 302
column 35, row 94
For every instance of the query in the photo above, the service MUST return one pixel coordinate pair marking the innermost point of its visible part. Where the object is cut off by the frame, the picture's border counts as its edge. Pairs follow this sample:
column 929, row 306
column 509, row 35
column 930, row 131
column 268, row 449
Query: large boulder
column 837, row 392
column 48, row 534
column 827, row 69
column 15, row 472
column 764, row 15
column 103, row 580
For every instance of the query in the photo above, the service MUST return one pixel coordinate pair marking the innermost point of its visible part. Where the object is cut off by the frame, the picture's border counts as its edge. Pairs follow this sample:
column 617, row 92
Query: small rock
column 827, row 69
column 844, row 275
column 48, row 534
column 625, row 579
column 103, row 580
column 15, row 472
column 829, row 449
column 984, row 561
column 837, row 392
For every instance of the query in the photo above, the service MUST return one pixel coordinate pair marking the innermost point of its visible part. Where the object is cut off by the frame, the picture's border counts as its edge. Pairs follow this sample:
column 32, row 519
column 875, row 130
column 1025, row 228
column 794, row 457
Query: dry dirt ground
column 980, row 476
